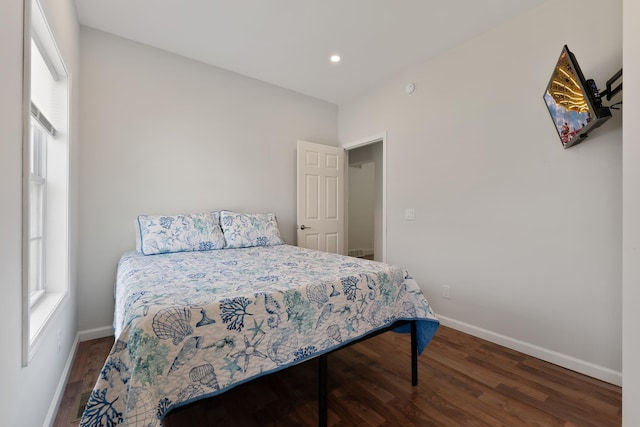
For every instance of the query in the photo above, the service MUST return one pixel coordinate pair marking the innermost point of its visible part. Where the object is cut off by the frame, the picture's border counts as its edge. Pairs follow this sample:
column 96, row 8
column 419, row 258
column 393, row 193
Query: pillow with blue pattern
column 180, row 233
column 250, row 229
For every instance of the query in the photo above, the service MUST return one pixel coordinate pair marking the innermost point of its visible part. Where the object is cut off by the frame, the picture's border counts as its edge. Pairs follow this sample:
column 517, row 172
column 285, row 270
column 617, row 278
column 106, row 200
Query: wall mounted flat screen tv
column 573, row 102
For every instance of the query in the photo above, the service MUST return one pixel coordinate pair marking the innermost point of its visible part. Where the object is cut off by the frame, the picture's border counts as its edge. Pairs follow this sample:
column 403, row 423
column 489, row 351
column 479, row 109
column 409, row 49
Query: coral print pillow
column 180, row 233
column 246, row 230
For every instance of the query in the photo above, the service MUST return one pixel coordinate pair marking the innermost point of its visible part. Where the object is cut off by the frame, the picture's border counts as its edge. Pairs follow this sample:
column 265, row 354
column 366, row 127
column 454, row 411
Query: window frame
column 38, row 313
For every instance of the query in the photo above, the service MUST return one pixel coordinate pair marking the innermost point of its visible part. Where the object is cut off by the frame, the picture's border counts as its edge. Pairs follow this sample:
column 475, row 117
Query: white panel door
column 321, row 197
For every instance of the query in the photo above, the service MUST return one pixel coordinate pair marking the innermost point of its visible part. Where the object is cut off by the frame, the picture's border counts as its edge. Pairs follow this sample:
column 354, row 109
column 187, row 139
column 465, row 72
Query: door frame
column 373, row 139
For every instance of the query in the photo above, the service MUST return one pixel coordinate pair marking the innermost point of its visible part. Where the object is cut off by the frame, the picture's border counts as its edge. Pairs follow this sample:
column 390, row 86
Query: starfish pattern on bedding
column 257, row 328
column 231, row 366
column 250, row 349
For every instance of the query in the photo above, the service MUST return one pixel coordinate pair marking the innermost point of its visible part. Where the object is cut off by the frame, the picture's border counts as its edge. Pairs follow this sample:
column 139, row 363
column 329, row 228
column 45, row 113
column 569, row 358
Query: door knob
column 304, row 227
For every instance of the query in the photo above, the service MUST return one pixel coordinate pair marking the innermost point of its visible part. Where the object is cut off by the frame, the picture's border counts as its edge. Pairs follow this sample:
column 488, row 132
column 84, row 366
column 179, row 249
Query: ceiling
column 288, row 42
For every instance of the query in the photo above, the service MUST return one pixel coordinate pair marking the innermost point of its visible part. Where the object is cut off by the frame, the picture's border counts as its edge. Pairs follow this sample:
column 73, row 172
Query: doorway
column 366, row 196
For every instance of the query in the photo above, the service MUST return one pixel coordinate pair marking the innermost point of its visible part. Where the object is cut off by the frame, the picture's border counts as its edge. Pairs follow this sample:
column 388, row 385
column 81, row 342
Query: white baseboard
column 62, row 383
column 92, row 334
column 569, row 362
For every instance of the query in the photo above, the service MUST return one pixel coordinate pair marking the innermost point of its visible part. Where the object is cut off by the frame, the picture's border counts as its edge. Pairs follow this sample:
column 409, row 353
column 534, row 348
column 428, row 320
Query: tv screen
column 573, row 102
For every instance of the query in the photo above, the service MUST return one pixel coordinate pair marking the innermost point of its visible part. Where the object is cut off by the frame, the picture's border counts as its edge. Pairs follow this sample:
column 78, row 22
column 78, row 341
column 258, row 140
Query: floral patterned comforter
column 191, row 325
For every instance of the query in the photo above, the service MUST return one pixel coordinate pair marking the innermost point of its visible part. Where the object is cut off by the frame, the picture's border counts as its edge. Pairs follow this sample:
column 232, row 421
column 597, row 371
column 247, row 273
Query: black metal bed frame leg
column 322, row 374
column 414, row 354
column 322, row 390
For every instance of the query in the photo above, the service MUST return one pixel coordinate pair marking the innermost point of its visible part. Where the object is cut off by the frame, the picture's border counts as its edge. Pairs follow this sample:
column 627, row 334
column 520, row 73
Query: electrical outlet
column 446, row 292
column 59, row 341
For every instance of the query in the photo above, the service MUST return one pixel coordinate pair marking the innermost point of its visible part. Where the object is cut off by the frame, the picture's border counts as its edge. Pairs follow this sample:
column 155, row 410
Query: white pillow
column 180, row 233
column 252, row 229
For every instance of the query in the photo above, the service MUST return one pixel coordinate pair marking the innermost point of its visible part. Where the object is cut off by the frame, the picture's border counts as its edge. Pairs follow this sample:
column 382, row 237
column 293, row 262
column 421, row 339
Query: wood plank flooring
column 463, row 381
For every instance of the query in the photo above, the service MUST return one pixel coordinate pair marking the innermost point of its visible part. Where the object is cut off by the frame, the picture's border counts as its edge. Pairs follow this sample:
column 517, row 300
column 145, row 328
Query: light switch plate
column 409, row 214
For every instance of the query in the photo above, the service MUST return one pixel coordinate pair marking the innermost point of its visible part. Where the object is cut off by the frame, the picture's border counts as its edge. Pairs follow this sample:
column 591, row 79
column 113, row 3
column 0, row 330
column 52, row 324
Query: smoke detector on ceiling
column 411, row 87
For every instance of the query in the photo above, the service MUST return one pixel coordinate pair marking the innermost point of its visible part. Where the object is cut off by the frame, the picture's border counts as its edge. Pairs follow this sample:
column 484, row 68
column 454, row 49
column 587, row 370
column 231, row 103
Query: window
column 45, row 185
column 37, row 195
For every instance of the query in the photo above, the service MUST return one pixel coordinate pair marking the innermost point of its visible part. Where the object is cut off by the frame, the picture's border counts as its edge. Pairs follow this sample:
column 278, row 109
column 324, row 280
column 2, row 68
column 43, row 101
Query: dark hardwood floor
column 463, row 381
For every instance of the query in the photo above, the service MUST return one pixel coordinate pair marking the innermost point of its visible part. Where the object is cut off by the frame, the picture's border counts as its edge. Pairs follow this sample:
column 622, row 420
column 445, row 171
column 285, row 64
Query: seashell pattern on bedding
column 173, row 323
column 191, row 325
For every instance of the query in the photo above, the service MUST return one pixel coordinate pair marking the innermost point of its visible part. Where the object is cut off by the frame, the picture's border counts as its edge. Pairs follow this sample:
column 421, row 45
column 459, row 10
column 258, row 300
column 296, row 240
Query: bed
column 191, row 324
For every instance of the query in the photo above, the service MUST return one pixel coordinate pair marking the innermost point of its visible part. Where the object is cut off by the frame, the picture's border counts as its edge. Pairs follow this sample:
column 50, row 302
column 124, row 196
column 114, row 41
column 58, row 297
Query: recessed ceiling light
column 335, row 58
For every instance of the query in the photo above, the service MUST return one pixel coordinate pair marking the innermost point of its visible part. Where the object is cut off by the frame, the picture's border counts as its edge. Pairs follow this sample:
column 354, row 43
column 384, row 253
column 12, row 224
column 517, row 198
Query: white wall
column 165, row 134
column 27, row 393
column 631, row 219
column 527, row 235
